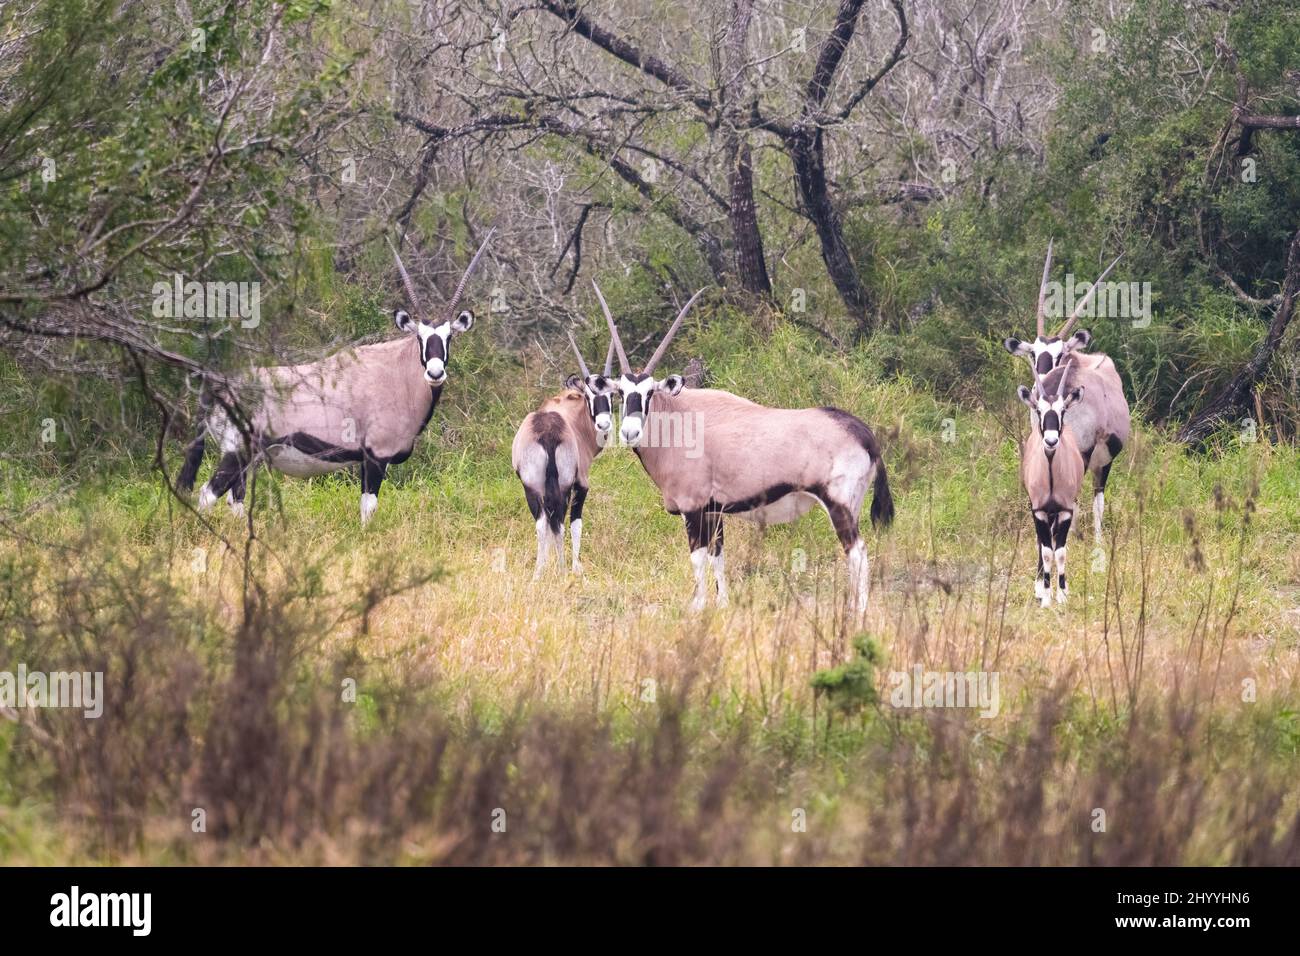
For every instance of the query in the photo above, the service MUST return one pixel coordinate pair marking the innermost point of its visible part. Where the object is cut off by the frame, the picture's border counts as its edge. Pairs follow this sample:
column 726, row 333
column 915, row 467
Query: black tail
column 554, row 500
column 882, row 502
column 194, row 451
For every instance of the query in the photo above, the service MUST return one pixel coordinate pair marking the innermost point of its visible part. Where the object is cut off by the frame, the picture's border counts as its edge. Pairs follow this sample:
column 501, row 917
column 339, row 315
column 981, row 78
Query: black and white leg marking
column 704, row 533
column 1046, row 558
column 372, row 476
column 229, row 470
column 1061, row 532
column 577, row 497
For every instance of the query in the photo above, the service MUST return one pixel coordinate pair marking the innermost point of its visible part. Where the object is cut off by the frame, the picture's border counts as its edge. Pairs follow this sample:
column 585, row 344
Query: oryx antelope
column 712, row 454
column 1102, row 424
column 552, row 455
column 1051, row 468
column 364, row 405
column 1047, row 352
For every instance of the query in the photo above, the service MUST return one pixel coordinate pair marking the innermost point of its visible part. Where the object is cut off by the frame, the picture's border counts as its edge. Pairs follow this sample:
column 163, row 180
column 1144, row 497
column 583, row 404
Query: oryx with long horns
column 1102, row 424
column 552, row 454
column 364, row 405
column 1047, row 352
column 712, row 454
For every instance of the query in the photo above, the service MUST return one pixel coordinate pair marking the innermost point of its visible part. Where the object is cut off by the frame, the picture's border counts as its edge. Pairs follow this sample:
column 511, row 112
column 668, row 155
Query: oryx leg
column 713, row 536
column 235, row 495
column 1099, row 479
column 845, row 520
column 704, row 533
column 1046, row 558
column 1061, row 531
column 229, row 470
column 372, row 476
column 577, row 497
column 543, row 529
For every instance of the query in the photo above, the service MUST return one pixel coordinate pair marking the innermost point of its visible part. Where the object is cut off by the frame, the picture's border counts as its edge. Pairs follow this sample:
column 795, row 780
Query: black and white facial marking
column 637, row 391
column 1045, row 354
column 435, row 341
column 598, row 391
column 1049, row 414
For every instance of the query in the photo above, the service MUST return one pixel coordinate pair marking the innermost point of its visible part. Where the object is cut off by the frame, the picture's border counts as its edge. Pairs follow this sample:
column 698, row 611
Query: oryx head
column 1047, row 352
column 597, row 389
column 1048, row 402
column 435, row 333
column 638, row 389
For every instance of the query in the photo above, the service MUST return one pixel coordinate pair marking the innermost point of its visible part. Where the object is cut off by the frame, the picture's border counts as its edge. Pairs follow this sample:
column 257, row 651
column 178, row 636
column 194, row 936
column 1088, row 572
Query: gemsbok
column 1047, row 352
column 1102, row 427
column 552, row 454
column 712, row 454
column 1061, row 448
column 1051, row 468
column 364, row 405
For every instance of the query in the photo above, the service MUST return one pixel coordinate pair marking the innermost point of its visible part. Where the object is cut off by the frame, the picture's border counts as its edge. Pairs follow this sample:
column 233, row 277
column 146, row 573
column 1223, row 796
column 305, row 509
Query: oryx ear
column 402, row 319
column 1024, row 396
column 573, row 381
column 672, row 385
column 1079, row 340
column 1016, row 347
column 1074, row 396
column 463, row 322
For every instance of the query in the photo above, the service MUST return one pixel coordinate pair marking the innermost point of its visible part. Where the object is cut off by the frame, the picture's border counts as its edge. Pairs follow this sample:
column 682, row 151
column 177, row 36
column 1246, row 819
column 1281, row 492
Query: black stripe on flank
column 1114, row 445
column 315, row 447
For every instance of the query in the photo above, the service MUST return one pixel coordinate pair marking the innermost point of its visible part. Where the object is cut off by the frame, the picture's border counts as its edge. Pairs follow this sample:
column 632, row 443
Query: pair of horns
column 624, row 364
column 1078, row 309
column 609, row 357
column 460, row 286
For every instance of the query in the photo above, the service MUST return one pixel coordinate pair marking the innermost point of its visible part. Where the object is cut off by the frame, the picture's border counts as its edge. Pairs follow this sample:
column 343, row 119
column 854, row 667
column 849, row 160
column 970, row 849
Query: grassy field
column 605, row 721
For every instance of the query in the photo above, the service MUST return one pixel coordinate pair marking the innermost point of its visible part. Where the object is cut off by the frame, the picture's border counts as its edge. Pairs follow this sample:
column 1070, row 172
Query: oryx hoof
column 206, row 498
column 1061, row 595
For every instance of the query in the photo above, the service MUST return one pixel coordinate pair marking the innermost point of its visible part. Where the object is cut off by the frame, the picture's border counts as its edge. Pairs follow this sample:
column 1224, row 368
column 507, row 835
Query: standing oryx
column 712, row 453
column 1051, row 468
column 364, row 405
column 552, row 455
column 1101, row 425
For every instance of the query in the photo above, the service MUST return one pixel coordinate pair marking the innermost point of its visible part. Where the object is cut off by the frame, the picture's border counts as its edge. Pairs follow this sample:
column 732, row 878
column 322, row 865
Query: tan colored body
column 552, row 454
column 727, row 451
column 368, row 397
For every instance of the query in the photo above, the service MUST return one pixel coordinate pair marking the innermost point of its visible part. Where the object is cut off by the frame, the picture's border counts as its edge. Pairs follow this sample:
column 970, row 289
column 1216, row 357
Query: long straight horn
column 406, row 281
column 613, row 331
column 1078, row 309
column 581, row 364
column 1042, row 290
column 609, row 360
column 663, row 346
column 464, row 280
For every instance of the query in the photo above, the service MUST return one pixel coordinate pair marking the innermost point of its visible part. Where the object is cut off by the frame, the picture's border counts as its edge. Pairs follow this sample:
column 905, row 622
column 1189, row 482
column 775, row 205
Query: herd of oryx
column 366, row 405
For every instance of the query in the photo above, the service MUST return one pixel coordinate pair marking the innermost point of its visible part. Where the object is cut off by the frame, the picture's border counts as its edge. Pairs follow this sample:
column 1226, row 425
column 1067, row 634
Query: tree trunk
column 751, row 267
column 1235, row 397
column 805, row 148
